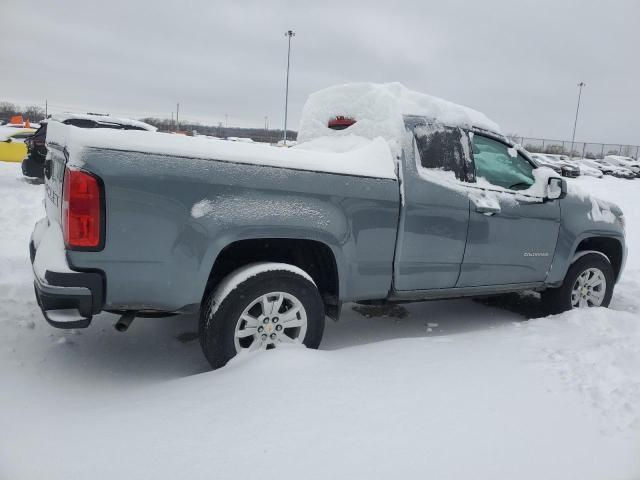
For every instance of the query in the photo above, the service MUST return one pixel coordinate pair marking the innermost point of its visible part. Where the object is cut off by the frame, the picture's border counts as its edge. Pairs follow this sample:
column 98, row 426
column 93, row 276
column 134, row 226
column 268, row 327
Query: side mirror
column 556, row 188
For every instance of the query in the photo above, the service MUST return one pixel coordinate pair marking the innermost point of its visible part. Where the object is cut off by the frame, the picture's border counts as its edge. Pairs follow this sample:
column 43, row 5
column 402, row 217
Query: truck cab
column 471, row 218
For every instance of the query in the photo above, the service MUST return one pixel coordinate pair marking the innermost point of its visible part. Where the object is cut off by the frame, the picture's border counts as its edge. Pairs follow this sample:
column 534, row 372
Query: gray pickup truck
column 264, row 242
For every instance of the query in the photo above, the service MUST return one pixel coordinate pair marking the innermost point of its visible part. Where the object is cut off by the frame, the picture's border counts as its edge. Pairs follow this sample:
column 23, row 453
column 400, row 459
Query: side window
column 500, row 165
column 441, row 147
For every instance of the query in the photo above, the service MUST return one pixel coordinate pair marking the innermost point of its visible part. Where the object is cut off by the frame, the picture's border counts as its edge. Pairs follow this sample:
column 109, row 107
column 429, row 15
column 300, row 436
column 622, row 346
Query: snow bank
column 367, row 159
column 596, row 352
column 379, row 110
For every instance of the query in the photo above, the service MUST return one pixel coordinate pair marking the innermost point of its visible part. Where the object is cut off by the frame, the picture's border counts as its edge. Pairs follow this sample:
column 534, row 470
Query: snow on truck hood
column 379, row 111
column 363, row 157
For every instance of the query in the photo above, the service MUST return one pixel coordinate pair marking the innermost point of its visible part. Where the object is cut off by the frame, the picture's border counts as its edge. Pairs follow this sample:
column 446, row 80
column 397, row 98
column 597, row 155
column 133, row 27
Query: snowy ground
column 453, row 389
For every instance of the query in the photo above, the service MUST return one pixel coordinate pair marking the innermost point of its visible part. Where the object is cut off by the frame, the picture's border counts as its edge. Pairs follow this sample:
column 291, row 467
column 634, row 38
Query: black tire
column 216, row 331
column 558, row 300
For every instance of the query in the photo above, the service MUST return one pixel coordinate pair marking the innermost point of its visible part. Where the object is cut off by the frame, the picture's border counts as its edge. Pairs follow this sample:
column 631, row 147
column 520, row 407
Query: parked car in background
column 542, row 161
column 624, row 162
column 588, row 170
column 12, row 143
column 605, row 168
column 572, row 170
column 612, row 169
column 33, row 165
column 565, row 167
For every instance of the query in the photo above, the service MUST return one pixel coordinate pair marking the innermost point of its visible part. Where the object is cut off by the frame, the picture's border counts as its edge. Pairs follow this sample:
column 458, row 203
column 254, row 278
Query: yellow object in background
column 12, row 146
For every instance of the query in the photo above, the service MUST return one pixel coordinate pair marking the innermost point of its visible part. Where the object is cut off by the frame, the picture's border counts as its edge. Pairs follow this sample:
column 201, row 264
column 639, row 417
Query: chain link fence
column 578, row 149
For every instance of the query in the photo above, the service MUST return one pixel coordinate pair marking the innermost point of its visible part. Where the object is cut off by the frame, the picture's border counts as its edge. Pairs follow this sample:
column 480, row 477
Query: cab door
column 433, row 223
column 512, row 232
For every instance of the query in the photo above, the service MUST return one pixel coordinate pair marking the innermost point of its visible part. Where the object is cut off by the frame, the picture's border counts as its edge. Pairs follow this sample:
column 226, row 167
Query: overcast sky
column 518, row 62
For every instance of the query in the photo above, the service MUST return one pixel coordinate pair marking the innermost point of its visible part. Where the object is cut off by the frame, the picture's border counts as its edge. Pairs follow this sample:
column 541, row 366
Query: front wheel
column 260, row 307
column 588, row 283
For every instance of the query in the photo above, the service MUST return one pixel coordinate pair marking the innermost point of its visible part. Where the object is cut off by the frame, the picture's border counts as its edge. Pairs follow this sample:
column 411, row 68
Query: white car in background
column 609, row 168
column 587, row 168
column 543, row 161
column 624, row 162
column 566, row 167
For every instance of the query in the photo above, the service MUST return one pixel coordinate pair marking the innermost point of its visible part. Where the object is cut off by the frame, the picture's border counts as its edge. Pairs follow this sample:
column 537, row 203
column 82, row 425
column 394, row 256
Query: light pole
column 289, row 34
column 575, row 123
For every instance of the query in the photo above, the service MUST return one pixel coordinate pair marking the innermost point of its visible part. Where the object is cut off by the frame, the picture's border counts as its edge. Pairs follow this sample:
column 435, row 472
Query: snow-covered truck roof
column 104, row 119
column 379, row 111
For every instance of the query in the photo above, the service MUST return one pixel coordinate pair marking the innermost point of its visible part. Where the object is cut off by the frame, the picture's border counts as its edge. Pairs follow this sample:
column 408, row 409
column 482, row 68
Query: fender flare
column 582, row 253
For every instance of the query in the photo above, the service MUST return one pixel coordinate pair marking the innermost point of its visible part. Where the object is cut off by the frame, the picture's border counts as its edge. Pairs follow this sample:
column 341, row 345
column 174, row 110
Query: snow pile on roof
column 370, row 158
column 334, row 145
column 379, row 110
column 62, row 117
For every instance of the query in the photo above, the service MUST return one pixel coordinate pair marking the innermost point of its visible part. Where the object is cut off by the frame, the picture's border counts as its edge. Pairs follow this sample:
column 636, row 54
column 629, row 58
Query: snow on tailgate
column 371, row 158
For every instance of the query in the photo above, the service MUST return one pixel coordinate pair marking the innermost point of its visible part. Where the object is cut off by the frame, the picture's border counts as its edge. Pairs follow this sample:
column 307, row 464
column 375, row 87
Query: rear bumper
column 68, row 299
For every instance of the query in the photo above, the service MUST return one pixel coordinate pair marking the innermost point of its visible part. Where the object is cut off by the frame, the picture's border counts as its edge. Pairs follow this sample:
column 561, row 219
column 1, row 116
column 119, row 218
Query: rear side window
column 500, row 165
column 441, row 148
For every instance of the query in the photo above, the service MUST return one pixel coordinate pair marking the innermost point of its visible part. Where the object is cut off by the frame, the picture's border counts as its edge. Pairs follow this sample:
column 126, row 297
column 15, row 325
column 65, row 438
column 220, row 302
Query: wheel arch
column 610, row 247
column 318, row 259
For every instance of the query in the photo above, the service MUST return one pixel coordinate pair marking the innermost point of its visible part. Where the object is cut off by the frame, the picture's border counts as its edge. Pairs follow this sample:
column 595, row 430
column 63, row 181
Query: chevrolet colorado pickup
column 405, row 198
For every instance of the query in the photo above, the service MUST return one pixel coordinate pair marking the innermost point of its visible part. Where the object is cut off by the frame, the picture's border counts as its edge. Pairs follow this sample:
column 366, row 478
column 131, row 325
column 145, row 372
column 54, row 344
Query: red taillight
column 81, row 210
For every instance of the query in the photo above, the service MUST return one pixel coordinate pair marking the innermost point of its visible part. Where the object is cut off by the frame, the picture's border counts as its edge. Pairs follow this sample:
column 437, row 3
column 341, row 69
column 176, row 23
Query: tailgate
column 54, row 167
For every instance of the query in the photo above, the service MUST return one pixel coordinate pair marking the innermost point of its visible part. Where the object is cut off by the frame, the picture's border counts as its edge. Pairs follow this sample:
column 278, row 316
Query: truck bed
column 172, row 206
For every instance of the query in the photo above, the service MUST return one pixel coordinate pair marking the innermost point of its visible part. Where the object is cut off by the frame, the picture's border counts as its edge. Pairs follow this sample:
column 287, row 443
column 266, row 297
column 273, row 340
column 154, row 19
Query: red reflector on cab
column 340, row 123
column 81, row 210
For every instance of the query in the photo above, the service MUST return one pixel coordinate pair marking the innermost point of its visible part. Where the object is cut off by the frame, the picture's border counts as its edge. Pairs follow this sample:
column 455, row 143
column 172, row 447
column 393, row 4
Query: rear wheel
column 588, row 283
column 262, row 312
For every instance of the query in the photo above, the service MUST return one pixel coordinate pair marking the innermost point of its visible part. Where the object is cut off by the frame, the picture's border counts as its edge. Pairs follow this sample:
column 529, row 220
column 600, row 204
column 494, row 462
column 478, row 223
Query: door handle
column 488, row 210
